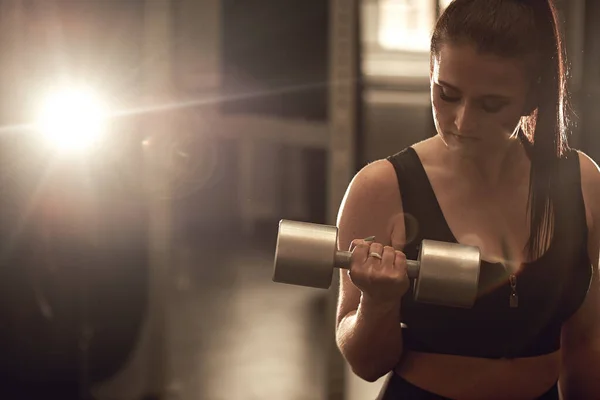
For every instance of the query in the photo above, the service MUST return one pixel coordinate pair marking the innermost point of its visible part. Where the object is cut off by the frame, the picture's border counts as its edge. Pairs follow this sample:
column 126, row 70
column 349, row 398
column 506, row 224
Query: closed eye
column 445, row 97
column 490, row 104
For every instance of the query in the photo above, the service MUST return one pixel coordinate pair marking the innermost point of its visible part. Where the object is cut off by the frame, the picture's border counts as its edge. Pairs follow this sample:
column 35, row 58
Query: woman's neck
column 502, row 167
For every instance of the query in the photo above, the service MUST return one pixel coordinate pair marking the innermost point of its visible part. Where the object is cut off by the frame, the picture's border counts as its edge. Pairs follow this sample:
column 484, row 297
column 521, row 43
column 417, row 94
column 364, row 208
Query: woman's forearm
column 370, row 338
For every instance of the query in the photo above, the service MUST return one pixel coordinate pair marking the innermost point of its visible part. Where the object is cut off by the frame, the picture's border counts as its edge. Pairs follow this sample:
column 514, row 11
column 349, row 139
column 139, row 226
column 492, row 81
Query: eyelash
column 449, row 99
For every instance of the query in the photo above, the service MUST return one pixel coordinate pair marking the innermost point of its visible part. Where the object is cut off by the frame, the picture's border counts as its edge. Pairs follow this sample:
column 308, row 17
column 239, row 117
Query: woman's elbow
column 368, row 370
column 368, row 374
column 364, row 369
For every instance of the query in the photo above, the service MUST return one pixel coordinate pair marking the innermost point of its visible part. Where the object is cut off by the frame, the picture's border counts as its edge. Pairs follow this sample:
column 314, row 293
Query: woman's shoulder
column 371, row 202
column 374, row 180
column 590, row 187
column 382, row 173
column 590, row 172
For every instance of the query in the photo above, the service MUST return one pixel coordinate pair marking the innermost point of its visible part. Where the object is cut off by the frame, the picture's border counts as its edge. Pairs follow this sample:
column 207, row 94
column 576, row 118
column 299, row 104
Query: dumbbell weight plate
column 448, row 271
column 305, row 254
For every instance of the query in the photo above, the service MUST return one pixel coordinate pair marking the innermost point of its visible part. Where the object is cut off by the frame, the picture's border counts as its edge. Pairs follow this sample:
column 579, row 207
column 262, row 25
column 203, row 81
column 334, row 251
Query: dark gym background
column 155, row 253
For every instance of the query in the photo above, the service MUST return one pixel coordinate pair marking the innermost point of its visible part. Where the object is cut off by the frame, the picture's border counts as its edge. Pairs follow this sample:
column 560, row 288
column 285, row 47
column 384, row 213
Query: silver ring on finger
column 375, row 255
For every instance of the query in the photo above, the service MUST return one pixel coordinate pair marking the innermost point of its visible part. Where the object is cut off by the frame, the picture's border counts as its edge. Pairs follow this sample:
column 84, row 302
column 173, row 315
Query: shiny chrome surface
column 448, row 272
column 305, row 254
column 412, row 268
column 444, row 273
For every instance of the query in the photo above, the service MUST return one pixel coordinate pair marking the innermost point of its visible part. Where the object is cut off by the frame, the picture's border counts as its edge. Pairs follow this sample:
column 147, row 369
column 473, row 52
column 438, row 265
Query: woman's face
column 477, row 99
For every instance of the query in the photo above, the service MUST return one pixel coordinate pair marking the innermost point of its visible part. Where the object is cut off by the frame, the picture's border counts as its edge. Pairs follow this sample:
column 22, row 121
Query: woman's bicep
column 368, row 209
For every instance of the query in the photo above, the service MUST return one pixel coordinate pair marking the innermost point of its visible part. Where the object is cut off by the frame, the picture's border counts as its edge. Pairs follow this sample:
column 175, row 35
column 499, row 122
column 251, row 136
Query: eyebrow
column 494, row 96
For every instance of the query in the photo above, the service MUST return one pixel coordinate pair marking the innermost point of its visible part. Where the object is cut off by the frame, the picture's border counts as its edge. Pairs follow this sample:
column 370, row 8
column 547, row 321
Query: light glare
column 72, row 119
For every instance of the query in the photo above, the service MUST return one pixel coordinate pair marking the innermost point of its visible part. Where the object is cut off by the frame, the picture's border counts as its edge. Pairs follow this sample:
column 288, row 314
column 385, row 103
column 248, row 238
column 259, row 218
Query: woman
column 499, row 106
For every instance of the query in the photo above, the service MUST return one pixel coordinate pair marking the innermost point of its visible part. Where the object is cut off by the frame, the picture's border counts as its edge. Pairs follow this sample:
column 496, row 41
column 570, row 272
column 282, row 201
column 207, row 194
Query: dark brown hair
column 526, row 30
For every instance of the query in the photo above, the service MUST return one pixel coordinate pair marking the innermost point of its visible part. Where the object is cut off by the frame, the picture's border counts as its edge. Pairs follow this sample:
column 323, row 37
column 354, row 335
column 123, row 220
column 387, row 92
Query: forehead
column 479, row 74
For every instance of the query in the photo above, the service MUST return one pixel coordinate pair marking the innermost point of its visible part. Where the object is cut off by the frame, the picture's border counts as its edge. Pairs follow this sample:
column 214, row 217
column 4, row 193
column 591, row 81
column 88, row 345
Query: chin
column 469, row 148
column 481, row 144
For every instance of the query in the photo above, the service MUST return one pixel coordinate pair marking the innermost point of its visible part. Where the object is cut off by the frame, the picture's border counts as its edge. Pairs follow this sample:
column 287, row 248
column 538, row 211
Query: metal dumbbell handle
column 343, row 258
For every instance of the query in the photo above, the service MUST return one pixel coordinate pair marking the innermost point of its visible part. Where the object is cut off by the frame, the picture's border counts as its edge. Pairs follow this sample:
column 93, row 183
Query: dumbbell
column 306, row 254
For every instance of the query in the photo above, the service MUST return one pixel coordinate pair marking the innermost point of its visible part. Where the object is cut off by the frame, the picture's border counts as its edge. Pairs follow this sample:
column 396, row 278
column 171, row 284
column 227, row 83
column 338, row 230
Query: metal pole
column 157, row 82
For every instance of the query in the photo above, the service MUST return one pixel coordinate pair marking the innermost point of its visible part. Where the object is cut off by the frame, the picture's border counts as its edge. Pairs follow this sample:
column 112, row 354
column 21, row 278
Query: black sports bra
column 550, row 288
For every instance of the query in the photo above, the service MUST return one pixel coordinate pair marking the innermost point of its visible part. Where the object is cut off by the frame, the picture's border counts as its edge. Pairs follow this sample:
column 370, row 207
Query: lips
column 464, row 137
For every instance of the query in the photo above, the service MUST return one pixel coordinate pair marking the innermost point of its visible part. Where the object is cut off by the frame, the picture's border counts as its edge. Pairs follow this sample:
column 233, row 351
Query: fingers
column 378, row 271
column 360, row 251
column 400, row 261
column 356, row 242
column 389, row 256
column 368, row 254
column 363, row 249
column 375, row 255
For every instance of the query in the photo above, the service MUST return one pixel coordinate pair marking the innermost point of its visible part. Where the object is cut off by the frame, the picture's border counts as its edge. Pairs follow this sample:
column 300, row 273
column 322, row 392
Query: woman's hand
column 378, row 271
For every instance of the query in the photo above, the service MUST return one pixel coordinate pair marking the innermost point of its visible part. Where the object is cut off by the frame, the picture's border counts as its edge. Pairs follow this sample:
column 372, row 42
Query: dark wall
column 274, row 57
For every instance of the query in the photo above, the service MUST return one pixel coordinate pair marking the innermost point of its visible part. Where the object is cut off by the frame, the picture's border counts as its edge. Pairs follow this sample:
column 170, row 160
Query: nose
column 466, row 120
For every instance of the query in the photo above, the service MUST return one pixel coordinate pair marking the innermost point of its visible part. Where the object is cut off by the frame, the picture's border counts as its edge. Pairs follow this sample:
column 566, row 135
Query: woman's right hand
column 380, row 280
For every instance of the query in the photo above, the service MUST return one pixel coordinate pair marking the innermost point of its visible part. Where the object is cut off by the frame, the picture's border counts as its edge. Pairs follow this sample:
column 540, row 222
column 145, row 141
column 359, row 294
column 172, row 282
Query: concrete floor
column 233, row 333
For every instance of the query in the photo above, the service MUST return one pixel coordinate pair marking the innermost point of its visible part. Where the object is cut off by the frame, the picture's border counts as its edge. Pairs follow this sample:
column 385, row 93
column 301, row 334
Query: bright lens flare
column 72, row 119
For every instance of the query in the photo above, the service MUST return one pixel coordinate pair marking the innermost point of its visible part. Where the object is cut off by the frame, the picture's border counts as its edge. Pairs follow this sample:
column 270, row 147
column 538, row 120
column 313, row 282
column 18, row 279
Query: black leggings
column 397, row 388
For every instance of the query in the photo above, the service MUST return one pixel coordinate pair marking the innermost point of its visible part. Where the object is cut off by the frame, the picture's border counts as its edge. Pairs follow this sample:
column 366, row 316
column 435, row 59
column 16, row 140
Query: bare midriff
column 463, row 378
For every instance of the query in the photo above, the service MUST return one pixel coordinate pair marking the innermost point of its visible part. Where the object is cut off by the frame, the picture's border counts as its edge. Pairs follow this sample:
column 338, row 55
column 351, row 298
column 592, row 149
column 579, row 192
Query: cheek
column 443, row 112
column 500, row 126
column 509, row 122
